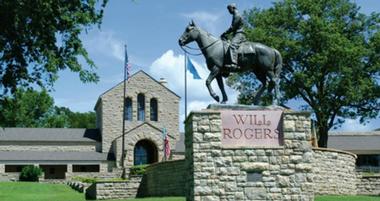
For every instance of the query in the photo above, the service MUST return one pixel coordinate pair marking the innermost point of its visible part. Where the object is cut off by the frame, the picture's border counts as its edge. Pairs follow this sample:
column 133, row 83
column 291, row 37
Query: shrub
column 92, row 180
column 85, row 179
column 30, row 173
column 138, row 169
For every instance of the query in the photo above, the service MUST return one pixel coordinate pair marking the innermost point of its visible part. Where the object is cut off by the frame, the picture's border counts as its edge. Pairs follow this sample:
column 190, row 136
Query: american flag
column 166, row 145
column 127, row 66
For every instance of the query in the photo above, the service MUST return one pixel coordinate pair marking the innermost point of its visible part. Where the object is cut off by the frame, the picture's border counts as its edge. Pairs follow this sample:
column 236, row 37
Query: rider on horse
column 238, row 36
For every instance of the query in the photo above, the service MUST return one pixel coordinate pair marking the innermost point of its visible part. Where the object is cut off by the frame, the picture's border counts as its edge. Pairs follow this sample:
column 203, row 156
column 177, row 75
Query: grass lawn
column 29, row 191
column 347, row 198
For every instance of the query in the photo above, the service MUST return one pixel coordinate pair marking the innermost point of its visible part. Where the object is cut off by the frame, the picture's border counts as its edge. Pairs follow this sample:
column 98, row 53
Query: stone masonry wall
column 111, row 103
column 9, row 176
column 69, row 174
column 334, row 172
column 215, row 173
column 164, row 179
column 368, row 185
column 40, row 146
column 144, row 132
column 114, row 190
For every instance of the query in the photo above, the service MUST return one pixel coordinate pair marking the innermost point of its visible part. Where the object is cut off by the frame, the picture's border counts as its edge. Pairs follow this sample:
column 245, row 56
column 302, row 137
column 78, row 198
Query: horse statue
column 265, row 62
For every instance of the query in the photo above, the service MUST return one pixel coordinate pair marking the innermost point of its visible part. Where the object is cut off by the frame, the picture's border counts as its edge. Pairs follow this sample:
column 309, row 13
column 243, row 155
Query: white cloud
column 171, row 67
column 209, row 21
column 104, row 43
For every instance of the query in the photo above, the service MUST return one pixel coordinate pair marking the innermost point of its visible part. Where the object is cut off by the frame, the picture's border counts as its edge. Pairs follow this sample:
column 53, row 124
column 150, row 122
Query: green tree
column 41, row 37
column 54, row 118
column 30, row 108
column 78, row 119
column 25, row 108
column 331, row 58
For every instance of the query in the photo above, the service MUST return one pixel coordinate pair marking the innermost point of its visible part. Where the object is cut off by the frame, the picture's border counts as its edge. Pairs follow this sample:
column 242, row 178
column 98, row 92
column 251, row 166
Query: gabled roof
column 356, row 142
column 138, row 72
column 142, row 124
column 25, row 156
column 49, row 134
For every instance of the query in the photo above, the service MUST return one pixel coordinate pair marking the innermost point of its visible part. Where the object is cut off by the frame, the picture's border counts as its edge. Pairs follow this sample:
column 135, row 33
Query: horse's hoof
column 223, row 102
column 216, row 98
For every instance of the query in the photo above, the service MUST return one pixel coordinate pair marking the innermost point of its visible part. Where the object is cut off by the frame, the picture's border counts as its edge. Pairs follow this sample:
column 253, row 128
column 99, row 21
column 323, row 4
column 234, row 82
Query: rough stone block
column 254, row 166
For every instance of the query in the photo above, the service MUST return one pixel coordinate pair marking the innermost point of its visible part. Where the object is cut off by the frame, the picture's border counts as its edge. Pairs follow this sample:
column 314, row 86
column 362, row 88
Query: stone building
column 150, row 108
column 366, row 145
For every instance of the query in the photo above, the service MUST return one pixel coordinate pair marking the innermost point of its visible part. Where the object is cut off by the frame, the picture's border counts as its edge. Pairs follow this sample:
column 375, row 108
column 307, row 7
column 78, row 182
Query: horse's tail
column 277, row 64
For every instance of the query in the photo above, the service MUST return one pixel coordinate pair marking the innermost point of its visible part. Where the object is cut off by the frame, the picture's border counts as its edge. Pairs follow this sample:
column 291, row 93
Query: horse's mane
column 206, row 33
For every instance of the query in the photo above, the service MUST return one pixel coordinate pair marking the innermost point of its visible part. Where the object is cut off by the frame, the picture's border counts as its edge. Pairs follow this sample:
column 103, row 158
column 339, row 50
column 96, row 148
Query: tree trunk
column 323, row 135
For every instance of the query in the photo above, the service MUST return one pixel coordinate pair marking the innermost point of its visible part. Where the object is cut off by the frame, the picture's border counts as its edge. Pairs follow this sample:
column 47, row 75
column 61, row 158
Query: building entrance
column 145, row 152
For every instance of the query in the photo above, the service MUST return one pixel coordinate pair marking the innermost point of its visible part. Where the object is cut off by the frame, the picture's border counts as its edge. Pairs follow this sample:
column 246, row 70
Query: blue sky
column 151, row 30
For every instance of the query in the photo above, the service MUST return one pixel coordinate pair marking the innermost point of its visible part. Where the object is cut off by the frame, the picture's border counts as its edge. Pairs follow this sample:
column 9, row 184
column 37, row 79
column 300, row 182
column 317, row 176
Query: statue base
column 245, row 169
column 218, row 106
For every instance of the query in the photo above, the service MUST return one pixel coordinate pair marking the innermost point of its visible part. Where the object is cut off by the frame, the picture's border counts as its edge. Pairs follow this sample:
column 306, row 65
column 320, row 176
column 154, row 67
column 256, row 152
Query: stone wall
column 104, row 172
column 334, row 172
column 143, row 132
column 368, row 185
column 69, row 174
column 42, row 146
column 216, row 173
column 164, row 179
column 114, row 190
column 9, row 176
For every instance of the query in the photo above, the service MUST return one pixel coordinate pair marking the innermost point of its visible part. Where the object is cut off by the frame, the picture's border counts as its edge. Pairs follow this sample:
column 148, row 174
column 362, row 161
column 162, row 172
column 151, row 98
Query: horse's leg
column 219, row 78
column 263, row 81
column 277, row 91
column 274, row 79
column 214, row 72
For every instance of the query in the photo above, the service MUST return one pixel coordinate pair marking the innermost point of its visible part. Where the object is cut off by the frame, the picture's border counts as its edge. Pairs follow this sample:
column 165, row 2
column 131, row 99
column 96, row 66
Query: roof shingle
column 50, row 134
column 51, row 156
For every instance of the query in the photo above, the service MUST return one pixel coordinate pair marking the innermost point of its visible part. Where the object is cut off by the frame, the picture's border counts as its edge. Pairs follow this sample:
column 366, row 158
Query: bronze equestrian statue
column 265, row 62
column 236, row 29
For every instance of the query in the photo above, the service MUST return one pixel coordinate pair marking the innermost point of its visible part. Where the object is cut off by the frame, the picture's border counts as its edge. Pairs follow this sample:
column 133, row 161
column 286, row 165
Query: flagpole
column 123, row 130
column 185, row 85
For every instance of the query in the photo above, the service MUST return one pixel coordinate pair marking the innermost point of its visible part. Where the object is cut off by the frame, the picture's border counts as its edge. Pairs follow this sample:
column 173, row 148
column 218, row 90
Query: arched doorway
column 145, row 152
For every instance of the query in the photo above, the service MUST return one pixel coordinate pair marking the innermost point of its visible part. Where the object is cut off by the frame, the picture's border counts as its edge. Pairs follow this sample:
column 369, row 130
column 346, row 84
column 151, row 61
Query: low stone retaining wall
column 369, row 185
column 164, row 179
column 9, row 176
column 101, row 175
column 114, row 190
column 334, row 172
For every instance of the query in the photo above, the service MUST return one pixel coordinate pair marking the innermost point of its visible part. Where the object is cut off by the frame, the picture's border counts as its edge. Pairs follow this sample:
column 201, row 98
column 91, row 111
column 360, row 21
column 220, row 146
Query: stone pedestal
column 275, row 172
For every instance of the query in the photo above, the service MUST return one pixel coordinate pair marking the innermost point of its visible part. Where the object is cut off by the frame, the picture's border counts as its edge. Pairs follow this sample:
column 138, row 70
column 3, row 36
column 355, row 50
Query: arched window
column 145, row 152
column 128, row 109
column 140, row 107
column 153, row 110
